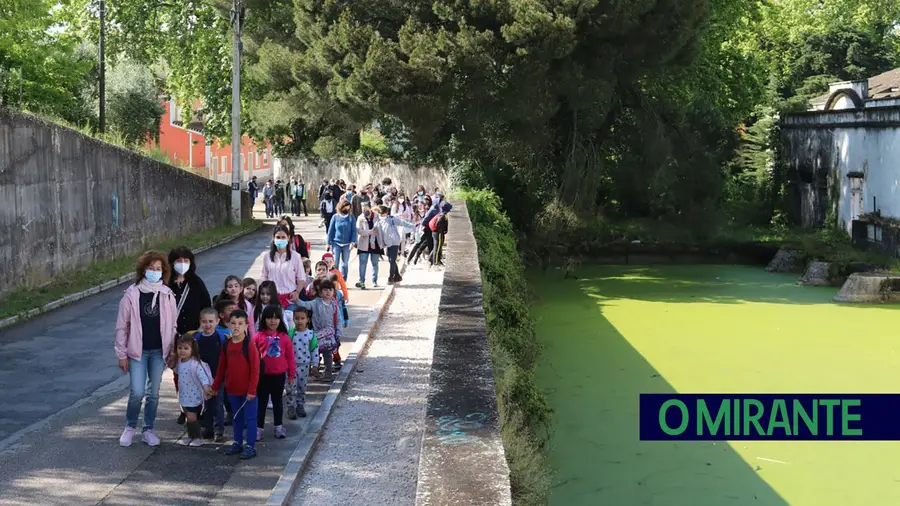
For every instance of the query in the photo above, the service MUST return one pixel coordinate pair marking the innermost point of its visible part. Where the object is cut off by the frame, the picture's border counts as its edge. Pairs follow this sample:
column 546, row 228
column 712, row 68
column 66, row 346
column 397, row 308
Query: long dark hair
column 182, row 252
column 273, row 249
column 270, row 288
column 224, row 293
column 273, row 311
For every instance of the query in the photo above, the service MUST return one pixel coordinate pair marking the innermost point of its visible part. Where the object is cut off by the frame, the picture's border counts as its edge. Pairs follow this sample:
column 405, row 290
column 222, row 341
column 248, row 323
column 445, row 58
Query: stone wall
column 462, row 459
column 353, row 172
column 67, row 200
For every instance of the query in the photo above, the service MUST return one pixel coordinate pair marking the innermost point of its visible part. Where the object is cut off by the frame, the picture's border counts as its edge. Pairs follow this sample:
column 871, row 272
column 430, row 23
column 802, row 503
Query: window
column 266, row 157
column 243, row 163
column 250, row 160
column 258, row 159
column 224, row 167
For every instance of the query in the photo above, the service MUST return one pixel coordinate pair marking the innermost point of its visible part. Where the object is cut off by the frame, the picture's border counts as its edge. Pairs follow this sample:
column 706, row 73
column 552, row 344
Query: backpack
column 432, row 225
column 246, row 349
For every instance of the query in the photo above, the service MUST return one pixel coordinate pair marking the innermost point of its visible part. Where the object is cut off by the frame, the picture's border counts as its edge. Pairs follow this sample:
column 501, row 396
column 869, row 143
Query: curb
column 290, row 477
column 102, row 287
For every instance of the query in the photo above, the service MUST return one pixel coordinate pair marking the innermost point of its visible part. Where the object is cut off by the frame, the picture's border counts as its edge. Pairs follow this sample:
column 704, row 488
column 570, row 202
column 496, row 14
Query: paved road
column 63, row 401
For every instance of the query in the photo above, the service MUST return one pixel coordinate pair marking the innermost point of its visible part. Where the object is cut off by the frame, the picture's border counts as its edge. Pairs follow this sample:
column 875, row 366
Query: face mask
column 281, row 243
column 153, row 276
column 182, row 267
column 421, row 193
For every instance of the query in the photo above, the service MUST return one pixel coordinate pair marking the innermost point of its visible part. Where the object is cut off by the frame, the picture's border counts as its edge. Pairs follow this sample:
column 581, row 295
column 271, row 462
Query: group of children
column 250, row 351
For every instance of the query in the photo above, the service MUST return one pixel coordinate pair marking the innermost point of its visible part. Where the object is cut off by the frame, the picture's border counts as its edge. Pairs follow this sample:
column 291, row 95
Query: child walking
column 325, row 322
column 211, row 341
column 239, row 372
column 277, row 354
column 224, row 307
column 195, row 379
column 305, row 348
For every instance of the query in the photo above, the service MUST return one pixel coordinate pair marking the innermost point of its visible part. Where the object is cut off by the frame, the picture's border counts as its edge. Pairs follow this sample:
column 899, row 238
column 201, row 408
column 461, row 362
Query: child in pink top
column 279, row 363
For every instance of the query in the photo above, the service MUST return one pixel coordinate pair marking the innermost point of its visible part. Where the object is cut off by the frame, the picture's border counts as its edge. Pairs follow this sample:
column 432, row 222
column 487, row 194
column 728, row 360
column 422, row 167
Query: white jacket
column 389, row 230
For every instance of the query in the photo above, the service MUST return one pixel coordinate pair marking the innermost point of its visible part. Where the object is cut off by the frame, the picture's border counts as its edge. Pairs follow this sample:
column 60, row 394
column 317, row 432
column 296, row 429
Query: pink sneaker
column 150, row 438
column 126, row 437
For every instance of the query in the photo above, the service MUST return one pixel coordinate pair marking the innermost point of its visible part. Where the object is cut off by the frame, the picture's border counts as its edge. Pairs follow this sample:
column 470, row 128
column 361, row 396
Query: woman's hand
column 123, row 364
column 295, row 296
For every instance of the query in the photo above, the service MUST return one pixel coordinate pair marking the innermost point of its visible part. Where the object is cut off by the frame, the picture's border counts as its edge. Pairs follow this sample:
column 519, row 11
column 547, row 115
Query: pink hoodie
column 128, row 337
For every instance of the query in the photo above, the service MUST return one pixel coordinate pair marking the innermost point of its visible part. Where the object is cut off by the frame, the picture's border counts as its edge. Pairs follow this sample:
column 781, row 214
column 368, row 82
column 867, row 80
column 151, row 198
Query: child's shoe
column 291, row 413
column 197, row 442
column 219, row 438
column 234, row 449
column 248, row 453
column 280, row 432
column 301, row 412
column 259, row 434
column 186, row 441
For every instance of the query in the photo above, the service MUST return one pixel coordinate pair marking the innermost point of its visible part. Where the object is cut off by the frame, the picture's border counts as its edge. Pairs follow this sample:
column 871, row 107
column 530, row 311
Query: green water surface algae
column 622, row 330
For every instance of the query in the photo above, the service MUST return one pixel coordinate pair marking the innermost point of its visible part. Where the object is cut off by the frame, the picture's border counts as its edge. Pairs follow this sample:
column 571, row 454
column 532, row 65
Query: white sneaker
column 197, row 442
column 126, row 437
column 185, row 441
column 150, row 438
column 270, row 406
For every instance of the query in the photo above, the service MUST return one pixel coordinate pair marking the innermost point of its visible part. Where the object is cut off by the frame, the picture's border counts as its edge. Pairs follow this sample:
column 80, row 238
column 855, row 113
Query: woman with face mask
column 191, row 295
column 284, row 267
column 145, row 337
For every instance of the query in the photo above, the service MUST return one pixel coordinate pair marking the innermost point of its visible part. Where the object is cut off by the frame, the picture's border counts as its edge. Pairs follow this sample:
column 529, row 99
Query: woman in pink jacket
column 145, row 334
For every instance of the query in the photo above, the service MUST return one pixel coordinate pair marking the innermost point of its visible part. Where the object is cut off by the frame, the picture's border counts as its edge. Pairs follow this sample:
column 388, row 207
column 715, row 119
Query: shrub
column 524, row 413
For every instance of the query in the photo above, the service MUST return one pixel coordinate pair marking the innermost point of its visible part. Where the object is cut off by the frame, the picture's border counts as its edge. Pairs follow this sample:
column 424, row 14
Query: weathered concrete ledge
column 462, row 461
column 870, row 287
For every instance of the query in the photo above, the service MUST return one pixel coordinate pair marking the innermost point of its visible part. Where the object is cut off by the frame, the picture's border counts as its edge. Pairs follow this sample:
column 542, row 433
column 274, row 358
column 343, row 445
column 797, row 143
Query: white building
column 843, row 155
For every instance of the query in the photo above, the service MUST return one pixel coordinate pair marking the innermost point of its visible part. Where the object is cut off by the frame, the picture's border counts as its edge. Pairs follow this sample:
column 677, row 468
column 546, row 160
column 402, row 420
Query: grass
column 624, row 330
column 21, row 300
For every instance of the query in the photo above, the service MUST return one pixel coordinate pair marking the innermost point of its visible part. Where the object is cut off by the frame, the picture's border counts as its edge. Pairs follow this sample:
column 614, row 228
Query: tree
column 133, row 102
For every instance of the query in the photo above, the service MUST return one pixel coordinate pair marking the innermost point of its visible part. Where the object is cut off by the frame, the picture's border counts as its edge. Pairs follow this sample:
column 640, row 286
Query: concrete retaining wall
column 462, row 460
column 360, row 173
column 67, row 200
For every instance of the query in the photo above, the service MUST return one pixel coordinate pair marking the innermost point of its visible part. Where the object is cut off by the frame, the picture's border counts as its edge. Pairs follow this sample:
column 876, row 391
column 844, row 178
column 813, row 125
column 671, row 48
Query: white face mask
column 182, row 267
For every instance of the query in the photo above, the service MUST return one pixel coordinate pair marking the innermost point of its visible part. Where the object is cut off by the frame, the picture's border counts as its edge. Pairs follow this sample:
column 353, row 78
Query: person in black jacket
column 191, row 295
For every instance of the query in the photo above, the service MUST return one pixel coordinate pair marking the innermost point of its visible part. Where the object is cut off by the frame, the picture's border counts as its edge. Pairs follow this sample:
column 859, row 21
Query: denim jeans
column 214, row 416
column 146, row 377
column 364, row 258
column 270, row 208
column 392, row 253
column 341, row 258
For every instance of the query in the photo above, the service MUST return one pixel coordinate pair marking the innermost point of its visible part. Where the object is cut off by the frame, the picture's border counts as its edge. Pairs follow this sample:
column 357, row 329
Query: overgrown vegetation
column 524, row 413
column 22, row 300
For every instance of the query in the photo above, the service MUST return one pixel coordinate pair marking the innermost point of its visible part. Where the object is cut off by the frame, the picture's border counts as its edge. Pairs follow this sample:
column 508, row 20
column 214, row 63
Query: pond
column 619, row 331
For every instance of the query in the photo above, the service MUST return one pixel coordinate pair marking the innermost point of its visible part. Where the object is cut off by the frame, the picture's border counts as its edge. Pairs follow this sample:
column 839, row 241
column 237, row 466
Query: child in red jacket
column 239, row 371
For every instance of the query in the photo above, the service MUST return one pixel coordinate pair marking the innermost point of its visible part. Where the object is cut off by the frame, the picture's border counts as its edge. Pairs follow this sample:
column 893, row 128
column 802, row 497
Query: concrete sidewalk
column 64, row 398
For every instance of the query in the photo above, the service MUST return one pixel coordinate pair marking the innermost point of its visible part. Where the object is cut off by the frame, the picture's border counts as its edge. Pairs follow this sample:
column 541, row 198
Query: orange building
column 186, row 146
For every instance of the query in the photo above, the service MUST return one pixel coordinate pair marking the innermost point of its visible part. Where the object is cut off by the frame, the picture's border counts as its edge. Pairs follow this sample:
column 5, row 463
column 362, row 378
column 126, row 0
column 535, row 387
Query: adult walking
column 269, row 199
column 145, row 335
column 191, row 295
column 370, row 250
column 342, row 237
column 426, row 242
column 253, row 189
column 284, row 266
column 389, row 235
column 290, row 195
column 302, row 195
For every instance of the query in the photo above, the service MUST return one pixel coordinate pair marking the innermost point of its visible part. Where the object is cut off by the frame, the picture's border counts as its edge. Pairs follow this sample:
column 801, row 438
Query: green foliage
column 132, row 105
column 525, row 415
column 372, row 145
column 328, row 147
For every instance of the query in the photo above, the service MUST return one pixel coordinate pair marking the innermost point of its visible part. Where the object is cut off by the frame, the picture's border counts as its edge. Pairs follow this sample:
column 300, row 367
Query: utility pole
column 102, row 67
column 237, row 15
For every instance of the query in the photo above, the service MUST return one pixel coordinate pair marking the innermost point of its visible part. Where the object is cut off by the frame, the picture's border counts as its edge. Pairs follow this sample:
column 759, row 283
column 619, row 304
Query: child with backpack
column 239, row 366
column 305, row 347
column 195, row 379
column 439, row 225
column 278, row 361
column 210, row 342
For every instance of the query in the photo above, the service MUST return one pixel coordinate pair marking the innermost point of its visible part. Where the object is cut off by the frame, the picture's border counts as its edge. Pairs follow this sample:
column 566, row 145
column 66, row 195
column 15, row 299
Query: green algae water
column 624, row 330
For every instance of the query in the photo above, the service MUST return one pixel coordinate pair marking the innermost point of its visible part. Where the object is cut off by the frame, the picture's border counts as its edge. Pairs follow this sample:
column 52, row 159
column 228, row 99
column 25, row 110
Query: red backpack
column 432, row 225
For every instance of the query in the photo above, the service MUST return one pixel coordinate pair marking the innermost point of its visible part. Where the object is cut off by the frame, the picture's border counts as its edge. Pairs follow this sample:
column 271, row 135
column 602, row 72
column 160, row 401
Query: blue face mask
column 153, row 276
column 281, row 243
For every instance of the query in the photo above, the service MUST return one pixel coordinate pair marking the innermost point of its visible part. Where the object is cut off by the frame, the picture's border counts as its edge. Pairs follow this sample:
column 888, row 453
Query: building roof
column 882, row 86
